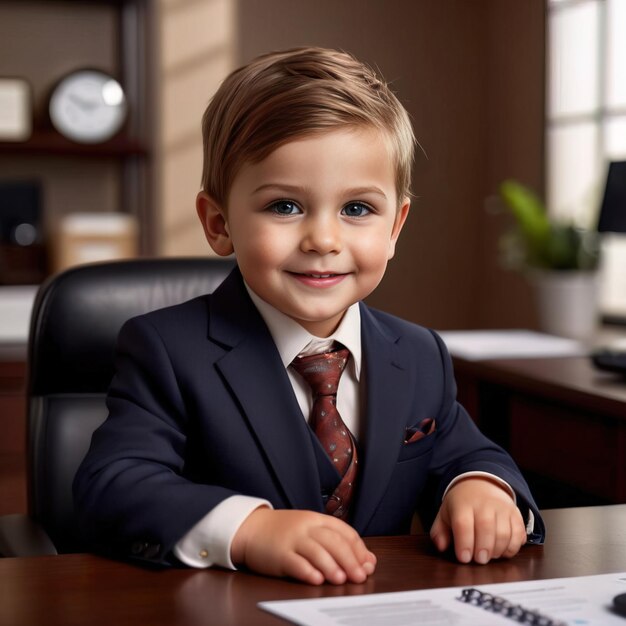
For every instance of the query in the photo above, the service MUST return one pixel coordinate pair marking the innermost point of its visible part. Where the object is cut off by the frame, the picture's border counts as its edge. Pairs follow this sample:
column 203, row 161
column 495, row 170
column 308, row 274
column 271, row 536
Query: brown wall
column 515, row 145
column 470, row 72
column 196, row 47
column 471, row 76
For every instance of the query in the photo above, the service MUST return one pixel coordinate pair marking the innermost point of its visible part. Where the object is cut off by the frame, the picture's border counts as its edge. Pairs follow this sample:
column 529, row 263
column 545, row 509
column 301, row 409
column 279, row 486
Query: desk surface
column 570, row 380
column 81, row 589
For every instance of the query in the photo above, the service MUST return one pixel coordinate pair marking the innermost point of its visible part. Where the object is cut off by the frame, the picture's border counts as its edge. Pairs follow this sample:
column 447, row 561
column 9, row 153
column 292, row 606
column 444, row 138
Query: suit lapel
column 253, row 370
column 387, row 409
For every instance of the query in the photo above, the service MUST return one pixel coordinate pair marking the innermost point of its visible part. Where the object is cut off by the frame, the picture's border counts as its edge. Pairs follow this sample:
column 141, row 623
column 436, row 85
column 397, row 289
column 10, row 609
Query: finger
column 347, row 553
column 321, row 559
column 520, row 528
column 505, row 536
column 298, row 567
column 485, row 528
column 369, row 565
column 366, row 558
column 463, row 532
column 518, row 538
column 440, row 533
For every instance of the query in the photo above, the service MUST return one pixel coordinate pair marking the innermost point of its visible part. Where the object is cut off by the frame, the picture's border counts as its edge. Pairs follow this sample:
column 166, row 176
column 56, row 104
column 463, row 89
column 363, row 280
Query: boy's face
column 312, row 225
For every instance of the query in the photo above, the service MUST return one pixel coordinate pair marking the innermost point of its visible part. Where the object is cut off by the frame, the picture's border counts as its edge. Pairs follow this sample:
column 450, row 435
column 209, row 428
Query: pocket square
column 423, row 429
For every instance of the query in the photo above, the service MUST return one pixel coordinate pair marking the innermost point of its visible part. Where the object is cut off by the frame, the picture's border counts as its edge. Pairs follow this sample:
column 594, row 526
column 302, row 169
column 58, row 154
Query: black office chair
column 75, row 321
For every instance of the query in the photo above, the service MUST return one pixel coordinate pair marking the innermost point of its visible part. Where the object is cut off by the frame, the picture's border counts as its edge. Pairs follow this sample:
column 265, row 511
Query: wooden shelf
column 115, row 36
column 52, row 143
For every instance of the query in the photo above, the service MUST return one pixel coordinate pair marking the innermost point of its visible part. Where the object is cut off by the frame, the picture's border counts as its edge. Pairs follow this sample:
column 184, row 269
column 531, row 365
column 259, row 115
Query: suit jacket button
column 152, row 550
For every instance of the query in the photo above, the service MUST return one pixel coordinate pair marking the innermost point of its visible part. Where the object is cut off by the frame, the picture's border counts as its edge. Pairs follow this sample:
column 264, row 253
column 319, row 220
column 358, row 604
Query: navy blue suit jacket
column 201, row 408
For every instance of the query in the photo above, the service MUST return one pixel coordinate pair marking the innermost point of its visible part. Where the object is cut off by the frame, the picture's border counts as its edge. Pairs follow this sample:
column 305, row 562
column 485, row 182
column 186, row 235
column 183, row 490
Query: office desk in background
column 16, row 303
column 563, row 421
column 12, row 429
column 80, row 589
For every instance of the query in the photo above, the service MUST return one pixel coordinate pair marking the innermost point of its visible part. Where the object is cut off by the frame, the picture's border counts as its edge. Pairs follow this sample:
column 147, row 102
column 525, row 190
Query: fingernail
column 482, row 557
column 357, row 575
column 339, row 577
column 466, row 556
column 368, row 567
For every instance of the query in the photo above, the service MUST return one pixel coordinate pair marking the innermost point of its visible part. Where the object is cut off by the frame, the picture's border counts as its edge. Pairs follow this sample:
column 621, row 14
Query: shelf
column 113, row 176
column 51, row 143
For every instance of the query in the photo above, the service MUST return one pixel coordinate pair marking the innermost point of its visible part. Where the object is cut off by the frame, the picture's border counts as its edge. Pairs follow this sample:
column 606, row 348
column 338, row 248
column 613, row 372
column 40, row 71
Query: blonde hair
column 283, row 96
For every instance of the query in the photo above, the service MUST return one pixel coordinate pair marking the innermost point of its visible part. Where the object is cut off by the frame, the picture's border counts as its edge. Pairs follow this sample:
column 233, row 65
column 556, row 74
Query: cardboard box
column 91, row 237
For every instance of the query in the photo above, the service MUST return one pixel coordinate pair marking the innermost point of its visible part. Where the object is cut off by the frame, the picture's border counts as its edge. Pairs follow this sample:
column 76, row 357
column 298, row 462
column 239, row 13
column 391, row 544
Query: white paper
column 16, row 305
column 476, row 345
column 579, row 601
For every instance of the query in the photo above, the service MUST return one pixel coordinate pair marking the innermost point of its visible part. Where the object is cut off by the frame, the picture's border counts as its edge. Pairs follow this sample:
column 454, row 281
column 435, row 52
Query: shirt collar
column 292, row 340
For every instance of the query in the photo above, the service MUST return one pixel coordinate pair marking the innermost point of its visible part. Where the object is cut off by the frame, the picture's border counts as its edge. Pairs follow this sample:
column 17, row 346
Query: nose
column 322, row 234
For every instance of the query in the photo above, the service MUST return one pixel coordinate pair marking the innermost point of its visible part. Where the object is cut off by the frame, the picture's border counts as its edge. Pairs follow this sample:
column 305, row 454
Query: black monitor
column 613, row 210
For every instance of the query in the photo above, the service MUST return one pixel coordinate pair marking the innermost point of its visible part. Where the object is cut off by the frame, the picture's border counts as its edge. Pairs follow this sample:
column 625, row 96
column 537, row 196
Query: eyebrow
column 354, row 191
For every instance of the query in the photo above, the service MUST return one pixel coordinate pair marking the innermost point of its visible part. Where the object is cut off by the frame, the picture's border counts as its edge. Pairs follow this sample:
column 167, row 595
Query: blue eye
column 356, row 209
column 285, row 207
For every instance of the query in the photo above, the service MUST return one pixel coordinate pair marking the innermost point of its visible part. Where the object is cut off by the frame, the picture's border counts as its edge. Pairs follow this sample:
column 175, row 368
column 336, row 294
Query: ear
column 401, row 216
column 213, row 219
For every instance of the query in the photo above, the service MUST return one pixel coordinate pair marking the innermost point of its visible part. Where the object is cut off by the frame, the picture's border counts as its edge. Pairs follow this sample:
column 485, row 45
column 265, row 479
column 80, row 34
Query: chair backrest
column 75, row 321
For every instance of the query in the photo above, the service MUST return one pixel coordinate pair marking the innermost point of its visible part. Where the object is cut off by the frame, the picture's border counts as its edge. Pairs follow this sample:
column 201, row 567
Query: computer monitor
column 612, row 217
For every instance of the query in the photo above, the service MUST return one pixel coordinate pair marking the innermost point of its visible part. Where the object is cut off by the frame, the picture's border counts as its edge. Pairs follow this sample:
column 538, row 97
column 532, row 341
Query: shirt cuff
column 209, row 541
column 530, row 521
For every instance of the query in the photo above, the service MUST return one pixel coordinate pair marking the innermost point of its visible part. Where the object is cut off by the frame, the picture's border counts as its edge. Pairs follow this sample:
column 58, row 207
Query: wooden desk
column 563, row 421
column 12, row 430
column 80, row 589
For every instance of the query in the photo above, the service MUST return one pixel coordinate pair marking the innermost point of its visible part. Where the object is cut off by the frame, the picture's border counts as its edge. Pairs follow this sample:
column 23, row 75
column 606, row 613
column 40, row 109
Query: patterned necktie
column 322, row 372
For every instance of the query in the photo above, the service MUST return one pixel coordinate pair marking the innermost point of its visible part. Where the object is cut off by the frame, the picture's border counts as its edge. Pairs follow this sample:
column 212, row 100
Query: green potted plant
column 560, row 260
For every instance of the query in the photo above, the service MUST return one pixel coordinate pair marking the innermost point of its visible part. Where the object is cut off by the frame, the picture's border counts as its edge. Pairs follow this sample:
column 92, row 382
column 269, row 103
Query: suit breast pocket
column 411, row 451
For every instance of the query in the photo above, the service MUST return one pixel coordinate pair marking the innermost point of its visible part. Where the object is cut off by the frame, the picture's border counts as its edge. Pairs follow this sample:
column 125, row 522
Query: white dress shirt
column 209, row 541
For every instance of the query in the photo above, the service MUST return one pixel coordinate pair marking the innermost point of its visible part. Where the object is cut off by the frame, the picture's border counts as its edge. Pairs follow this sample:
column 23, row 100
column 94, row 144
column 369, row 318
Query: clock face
column 88, row 106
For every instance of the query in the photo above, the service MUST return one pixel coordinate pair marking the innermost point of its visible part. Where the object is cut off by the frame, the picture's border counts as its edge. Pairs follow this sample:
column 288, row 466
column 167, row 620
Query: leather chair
column 75, row 321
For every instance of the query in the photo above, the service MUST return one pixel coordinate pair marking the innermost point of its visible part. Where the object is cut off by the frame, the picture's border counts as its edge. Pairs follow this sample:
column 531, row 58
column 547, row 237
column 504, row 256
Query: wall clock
column 88, row 106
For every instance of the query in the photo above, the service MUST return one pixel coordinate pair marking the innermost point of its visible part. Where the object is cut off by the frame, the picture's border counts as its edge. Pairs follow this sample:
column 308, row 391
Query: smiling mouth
column 315, row 275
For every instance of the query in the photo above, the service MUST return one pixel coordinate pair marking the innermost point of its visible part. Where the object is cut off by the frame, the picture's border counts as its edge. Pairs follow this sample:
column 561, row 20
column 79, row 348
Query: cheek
column 372, row 251
column 258, row 245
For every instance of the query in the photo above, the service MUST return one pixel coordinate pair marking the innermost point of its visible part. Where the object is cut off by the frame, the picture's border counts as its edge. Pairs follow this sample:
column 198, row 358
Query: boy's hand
column 309, row 546
column 483, row 520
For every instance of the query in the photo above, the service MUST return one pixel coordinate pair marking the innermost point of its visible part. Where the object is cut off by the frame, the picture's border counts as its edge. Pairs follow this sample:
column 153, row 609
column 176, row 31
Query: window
column 586, row 120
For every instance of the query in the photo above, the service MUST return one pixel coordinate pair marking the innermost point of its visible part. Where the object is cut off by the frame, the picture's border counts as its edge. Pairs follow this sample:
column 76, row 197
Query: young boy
column 233, row 438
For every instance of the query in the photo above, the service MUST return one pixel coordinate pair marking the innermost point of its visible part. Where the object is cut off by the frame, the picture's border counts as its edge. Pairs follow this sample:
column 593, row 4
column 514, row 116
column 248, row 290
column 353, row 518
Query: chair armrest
column 21, row 536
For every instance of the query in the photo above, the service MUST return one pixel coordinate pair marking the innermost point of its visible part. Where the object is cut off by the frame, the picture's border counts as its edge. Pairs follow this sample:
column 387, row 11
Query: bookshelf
column 42, row 41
